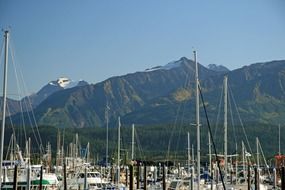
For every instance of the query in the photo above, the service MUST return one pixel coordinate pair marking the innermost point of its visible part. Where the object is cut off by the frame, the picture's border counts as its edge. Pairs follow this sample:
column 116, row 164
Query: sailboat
column 6, row 37
column 181, row 183
column 23, row 174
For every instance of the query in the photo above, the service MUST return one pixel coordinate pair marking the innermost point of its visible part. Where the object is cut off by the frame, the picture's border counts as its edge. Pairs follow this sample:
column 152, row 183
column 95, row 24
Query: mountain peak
column 170, row 65
column 65, row 83
column 61, row 83
column 218, row 68
column 184, row 59
column 173, row 64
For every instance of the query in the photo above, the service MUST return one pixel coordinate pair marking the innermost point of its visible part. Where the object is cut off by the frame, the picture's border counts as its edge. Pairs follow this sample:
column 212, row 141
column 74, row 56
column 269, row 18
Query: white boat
column 90, row 180
column 48, row 182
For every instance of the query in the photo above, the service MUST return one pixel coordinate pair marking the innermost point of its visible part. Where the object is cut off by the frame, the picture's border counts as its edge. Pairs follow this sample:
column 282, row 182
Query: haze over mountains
column 164, row 95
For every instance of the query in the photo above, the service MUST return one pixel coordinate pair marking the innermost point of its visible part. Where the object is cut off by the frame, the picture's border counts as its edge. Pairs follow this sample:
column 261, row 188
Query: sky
column 96, row 39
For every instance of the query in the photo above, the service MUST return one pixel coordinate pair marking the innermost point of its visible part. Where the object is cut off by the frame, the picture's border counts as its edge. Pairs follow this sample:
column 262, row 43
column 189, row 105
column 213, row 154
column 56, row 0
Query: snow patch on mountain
column 170, row 65
column 61, row 83
column 64, row 83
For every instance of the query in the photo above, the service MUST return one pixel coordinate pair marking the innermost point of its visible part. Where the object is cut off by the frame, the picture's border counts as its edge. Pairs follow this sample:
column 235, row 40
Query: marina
column 75, row 170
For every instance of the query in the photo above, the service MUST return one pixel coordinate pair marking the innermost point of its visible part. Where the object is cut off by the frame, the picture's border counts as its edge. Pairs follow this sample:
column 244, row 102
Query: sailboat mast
column 226, row 124
column 243, row 157
column 29, row 152
column 279, row 144
column 107, row 133
column 133, row 140
column 6, row 36
column 62, row 148
column 257, row 152
column 193, row 157
column 197, row 120
column 210, row 153
column 119, row 136
column 88, row 152
column 236, row 163
column 188, row 150
column 58, row 153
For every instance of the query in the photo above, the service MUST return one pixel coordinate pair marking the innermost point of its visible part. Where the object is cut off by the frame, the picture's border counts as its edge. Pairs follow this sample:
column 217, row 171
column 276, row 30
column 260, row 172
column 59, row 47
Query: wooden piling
column 131, row 177
column 127, row 174
column 85, row 179
column 282, row 178
column 15, row 182
column 256, row 178
column 138, row 176
column 29, row 177
column 41, row 179
column 274, row 178
column 144, row 178
column 64, row 177
column 248, row 178
column 163, row 178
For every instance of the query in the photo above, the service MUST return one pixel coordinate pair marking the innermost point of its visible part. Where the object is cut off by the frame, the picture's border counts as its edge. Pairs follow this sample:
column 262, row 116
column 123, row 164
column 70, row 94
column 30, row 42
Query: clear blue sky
column 96, row 39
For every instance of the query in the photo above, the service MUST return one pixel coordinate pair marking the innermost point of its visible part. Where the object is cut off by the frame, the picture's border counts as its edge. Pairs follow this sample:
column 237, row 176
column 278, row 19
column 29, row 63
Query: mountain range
column 61, row 83
column 163, row 95
column 30, row 102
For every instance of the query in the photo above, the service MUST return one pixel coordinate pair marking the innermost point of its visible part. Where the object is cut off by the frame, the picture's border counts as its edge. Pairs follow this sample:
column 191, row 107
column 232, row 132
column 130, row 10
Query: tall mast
column 107, row 132
column 88, row 152
column 236, row 164
column 210, row 153
column 76, row 145
column 193, row 155
column 257, row 152
column 188, row 150
column 133, row 140
column 58, row 150
column 197, row 120
column 226, row 124
column 6, row 36
column 279, row 144
column 62, row 148
column 119, row 136
column 243, row 157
